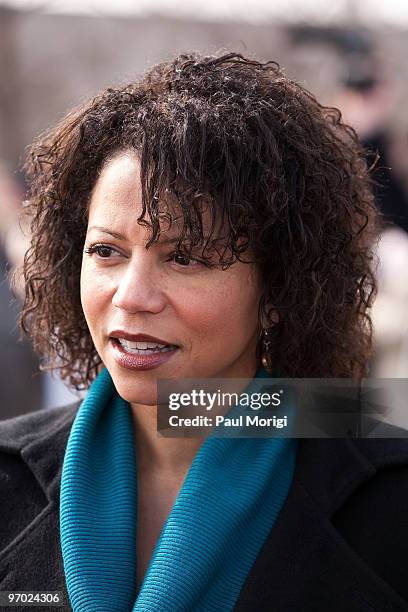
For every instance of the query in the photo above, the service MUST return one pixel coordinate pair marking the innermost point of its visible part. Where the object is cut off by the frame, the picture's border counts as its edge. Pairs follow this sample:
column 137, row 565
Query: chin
column 145, row 399
column 138, row 394
column 134, row 389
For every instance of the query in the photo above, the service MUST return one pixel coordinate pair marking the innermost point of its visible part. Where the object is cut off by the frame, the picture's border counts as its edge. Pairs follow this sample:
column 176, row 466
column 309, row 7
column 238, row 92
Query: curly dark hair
column 287, row 177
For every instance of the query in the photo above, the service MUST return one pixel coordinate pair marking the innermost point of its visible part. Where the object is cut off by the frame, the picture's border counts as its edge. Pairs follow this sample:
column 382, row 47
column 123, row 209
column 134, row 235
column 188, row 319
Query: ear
column 275, row 317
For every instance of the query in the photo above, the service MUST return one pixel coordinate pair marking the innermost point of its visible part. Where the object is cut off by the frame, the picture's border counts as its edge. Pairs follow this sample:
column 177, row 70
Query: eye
column 102, row 250
column 183, row 260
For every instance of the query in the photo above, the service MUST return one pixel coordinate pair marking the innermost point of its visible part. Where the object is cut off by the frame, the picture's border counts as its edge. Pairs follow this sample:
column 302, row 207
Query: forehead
column 118, row 186
column 117, row 199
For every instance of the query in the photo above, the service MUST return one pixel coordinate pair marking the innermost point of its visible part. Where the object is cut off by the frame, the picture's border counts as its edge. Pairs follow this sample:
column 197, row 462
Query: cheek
column 226, row 308
column 94, row 297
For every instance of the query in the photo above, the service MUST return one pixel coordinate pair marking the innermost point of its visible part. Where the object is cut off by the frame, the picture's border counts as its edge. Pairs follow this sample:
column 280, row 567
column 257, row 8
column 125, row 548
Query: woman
column 210, row 221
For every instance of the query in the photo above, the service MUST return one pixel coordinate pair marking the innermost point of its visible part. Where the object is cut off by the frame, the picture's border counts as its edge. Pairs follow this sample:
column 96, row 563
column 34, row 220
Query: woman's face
column 207, row 317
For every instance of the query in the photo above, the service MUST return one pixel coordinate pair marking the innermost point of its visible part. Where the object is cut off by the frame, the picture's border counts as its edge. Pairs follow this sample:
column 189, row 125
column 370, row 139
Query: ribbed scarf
column 223, row 513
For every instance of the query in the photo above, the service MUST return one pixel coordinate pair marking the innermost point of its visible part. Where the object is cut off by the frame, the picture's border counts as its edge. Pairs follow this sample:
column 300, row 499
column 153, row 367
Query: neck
column 157, row 453
column 172, row 455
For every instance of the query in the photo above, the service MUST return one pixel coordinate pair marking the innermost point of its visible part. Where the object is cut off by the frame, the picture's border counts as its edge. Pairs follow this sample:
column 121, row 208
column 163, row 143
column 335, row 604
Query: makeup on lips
column 140, row 351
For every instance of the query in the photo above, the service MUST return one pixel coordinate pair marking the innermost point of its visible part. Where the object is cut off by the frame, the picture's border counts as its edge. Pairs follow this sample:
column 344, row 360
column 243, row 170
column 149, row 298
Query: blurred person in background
column 212, row 219
column 20, row 381
column 367, row 101
column 21, row 377
column 366, row 96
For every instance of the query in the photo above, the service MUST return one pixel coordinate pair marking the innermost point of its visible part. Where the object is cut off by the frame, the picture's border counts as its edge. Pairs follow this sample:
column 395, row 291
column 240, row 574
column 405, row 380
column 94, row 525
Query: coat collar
column 304, row 556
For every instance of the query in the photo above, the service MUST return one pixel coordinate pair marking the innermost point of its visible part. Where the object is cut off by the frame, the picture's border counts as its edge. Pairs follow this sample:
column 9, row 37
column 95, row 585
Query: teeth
column 142, row 346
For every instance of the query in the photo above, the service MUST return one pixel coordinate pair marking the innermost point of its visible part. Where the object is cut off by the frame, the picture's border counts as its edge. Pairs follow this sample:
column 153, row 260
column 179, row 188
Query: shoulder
column 19, row 432
column 32, row 448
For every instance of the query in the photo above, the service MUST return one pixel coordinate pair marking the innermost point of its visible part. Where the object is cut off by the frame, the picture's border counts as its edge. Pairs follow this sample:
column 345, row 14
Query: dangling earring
column 266, row 343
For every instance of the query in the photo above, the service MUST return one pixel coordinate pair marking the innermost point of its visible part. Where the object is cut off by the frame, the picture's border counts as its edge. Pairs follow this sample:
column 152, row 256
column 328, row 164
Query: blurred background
column 350, row 53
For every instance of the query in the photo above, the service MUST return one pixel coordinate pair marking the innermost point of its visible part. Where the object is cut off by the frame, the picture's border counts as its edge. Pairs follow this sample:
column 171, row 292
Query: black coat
column 340, row 543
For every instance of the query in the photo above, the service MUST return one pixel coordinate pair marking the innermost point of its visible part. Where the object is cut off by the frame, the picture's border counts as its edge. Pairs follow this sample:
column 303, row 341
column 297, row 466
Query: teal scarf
column 223, row 513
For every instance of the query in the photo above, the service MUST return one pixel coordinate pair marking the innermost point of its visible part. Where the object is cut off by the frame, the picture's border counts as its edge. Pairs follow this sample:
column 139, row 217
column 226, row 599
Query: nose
column 139, row 287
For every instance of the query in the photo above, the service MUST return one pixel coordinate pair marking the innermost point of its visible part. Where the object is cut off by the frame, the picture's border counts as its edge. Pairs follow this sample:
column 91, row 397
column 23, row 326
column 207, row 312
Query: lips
column 116, row 334
column 128, row 356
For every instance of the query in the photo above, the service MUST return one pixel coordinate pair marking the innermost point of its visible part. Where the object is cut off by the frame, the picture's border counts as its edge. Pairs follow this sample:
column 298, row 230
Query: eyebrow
column 119, row 236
